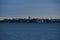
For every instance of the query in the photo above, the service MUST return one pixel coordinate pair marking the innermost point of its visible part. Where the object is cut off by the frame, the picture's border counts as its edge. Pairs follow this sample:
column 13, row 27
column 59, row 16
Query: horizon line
column 1, row 18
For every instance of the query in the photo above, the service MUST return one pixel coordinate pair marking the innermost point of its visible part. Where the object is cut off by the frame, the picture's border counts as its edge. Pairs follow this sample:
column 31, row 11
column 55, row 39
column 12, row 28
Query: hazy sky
column 16, row 8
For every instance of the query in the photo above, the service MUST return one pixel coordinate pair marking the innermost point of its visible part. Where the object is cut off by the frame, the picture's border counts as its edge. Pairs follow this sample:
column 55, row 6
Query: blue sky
column 16, row 8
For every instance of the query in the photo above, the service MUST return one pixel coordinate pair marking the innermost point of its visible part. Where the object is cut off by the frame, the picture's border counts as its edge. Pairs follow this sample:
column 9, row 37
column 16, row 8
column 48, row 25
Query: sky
column 17, row 8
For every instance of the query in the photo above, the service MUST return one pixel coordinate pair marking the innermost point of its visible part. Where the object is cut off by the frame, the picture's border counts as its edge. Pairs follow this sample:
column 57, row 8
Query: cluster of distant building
column 29, row 20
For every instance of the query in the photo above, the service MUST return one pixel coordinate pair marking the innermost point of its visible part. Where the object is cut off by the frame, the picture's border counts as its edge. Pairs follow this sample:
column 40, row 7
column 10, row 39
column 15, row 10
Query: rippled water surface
column 29, row 31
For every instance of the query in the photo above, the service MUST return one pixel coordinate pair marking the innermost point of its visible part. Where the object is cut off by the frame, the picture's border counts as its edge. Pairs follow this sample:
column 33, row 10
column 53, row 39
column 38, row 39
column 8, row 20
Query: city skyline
column 2, row 18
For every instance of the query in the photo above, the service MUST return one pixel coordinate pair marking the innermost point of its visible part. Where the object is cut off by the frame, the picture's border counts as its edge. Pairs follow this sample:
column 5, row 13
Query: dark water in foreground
column 29, row 31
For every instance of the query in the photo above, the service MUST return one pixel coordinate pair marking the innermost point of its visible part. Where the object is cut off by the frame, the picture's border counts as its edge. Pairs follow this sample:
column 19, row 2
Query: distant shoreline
column 29, row 20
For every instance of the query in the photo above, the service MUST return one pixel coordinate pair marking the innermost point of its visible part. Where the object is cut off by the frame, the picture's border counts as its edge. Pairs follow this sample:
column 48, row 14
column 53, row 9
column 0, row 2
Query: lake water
column 29, row 31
